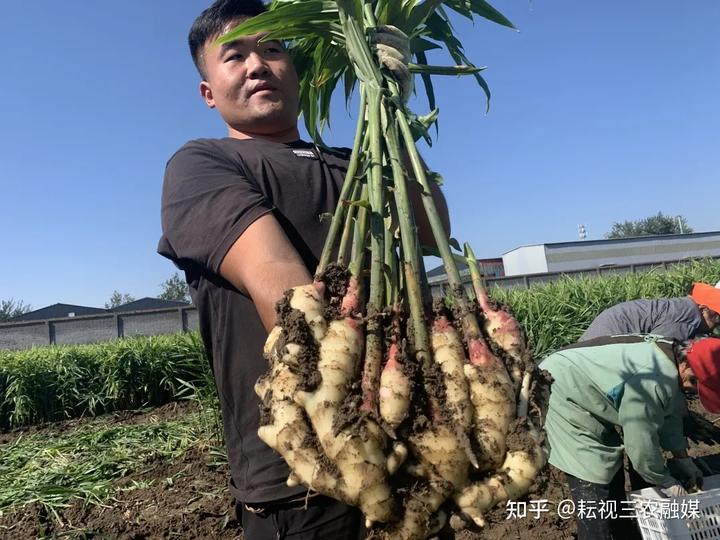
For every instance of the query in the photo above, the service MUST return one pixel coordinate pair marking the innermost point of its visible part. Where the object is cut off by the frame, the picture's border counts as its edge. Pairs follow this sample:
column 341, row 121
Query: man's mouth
column 264, row 87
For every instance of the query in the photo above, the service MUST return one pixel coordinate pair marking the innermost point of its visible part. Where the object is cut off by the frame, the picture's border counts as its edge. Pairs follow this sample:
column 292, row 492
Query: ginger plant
column 376, row 395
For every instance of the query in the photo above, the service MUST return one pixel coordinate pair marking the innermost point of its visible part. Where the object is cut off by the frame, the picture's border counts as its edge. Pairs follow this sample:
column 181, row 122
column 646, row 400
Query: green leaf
column 389, row 12
column 441, row 30
column 349, row 83
column 460, row 6
column 435, row 178
column 429, row 119
column 289, row 20
column 419, row 15
column 420, row 125
column 428, row 251
column 483, row 9
column 444, row 70
column 427, row 81
column 419, row 44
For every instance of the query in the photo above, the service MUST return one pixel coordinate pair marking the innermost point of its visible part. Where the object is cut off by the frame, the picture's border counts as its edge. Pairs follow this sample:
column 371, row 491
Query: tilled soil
column 188, row 499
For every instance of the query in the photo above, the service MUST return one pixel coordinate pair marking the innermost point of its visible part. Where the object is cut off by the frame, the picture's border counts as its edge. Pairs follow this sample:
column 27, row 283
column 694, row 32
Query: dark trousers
column 603, row 528
column 317, row 518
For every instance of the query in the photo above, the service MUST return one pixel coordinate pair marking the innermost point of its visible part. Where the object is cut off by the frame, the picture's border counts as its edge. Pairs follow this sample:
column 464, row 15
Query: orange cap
column 706, row 295
column 704, row 359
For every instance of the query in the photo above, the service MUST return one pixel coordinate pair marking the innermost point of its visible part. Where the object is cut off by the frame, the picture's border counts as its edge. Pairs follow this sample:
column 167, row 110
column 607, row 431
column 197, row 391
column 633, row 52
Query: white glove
column 675, row 490
column 392, row 47
column 689, row 473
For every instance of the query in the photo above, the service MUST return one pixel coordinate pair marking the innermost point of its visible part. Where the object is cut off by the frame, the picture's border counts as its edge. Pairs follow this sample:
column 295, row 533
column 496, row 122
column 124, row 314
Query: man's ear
column 207, row 94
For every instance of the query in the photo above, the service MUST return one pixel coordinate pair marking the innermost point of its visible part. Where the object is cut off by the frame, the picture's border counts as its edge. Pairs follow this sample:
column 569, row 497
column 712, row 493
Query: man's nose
column 256, row 65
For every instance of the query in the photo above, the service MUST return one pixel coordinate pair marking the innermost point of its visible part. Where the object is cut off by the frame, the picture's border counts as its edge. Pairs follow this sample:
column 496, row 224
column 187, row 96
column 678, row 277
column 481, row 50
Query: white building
column 588, row 254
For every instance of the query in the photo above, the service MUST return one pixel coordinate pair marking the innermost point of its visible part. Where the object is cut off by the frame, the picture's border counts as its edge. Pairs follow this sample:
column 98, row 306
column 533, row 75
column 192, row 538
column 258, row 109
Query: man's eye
column 233, row 57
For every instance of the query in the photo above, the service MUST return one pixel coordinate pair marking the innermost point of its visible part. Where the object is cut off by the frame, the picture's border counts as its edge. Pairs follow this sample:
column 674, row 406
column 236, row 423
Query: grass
column 45, row 384
column 556, row 314
column 55, row 470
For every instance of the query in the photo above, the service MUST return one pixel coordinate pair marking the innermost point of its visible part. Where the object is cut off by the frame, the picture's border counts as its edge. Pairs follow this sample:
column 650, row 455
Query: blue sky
column 601, row 112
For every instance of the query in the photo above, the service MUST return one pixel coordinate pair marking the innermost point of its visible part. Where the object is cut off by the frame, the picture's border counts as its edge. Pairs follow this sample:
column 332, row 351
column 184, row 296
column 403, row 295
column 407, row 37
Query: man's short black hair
column 212, row 21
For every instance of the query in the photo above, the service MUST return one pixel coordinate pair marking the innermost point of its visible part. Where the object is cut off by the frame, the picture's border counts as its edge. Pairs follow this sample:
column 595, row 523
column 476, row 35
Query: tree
column 118, row 299
column 650, row 226
column 12, row 308
column 175, row 288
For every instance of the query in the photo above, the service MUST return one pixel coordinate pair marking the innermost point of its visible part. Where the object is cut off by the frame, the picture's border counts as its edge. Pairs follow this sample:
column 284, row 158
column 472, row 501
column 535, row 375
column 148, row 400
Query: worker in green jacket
column 635, row 382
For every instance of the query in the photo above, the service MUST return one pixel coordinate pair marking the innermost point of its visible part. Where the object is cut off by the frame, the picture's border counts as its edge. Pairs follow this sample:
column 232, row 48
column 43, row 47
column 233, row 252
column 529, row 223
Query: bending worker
column 676, row 318
column 636, row 383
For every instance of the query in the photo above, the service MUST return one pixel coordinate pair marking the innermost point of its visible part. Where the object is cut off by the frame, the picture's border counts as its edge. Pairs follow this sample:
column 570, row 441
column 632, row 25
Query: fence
column 94, row 328
column 437, row 285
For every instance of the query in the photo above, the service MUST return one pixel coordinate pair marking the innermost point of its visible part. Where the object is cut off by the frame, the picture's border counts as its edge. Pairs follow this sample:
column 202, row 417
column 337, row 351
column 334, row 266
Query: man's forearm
column 422, row 221
column 266, row 292
column 263, row 264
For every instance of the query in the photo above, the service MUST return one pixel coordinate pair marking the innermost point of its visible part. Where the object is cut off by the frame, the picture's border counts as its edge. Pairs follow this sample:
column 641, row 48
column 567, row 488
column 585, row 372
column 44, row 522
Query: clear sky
column 601, row 112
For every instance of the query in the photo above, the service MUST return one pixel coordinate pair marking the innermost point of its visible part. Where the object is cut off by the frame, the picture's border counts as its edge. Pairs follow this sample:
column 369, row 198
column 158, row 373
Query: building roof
column 148, row 303
column 633, row 239
column 440, row 270
column 57, row 311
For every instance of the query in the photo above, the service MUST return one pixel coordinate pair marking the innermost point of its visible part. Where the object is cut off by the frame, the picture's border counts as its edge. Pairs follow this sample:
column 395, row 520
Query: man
column 676, row 318
column 240, row 216
column 636, row 383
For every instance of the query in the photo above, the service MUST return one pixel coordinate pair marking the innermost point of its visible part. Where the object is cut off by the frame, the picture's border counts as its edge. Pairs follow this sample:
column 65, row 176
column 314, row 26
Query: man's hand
column 688, row 473
column 392, row 47
column 675, row 490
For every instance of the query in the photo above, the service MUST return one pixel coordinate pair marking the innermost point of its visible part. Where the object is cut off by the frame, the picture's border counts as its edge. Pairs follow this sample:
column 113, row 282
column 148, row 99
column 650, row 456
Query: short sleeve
column 207, row 203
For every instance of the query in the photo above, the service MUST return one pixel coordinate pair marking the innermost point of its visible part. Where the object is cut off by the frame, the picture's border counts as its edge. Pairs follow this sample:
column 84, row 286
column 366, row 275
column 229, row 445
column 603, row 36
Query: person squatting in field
column 240, row 215
column 635, row 382
column 675, row 318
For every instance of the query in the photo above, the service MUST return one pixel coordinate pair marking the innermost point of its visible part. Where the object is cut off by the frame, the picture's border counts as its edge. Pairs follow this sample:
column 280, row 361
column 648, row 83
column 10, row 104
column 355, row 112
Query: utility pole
column 680, row 224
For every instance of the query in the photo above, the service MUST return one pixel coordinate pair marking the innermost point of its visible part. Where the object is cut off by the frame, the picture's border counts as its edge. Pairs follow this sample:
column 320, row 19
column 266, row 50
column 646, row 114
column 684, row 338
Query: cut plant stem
column 374, row 334
column 475, row 275
column 408, row 238
column 357, row 262
column 470, row 324
column 350, row 218
column 347, row 189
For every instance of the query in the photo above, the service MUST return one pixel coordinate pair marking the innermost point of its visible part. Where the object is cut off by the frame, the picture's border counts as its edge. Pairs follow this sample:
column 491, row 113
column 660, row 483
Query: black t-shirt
column 213, row 190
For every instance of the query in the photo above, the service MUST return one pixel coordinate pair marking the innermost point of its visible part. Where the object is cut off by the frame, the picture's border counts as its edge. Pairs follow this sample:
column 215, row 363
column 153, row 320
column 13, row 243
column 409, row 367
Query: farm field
column 161, row 472
column 177, row 489
column 177, row 492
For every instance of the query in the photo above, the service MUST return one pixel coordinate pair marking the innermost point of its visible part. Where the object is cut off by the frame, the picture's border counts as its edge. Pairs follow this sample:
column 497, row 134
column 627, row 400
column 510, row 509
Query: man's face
column 253, row 85
column 711, row 318
column 688, row 381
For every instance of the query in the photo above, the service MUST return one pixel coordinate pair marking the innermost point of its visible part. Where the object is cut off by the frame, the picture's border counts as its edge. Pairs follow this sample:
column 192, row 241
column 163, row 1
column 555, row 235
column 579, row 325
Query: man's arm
column 421, row 219
column 643, row 415
column 263, row 264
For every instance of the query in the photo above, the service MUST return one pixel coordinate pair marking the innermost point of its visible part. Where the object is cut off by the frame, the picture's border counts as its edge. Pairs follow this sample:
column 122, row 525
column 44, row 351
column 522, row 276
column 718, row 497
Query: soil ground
column 188, row 499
